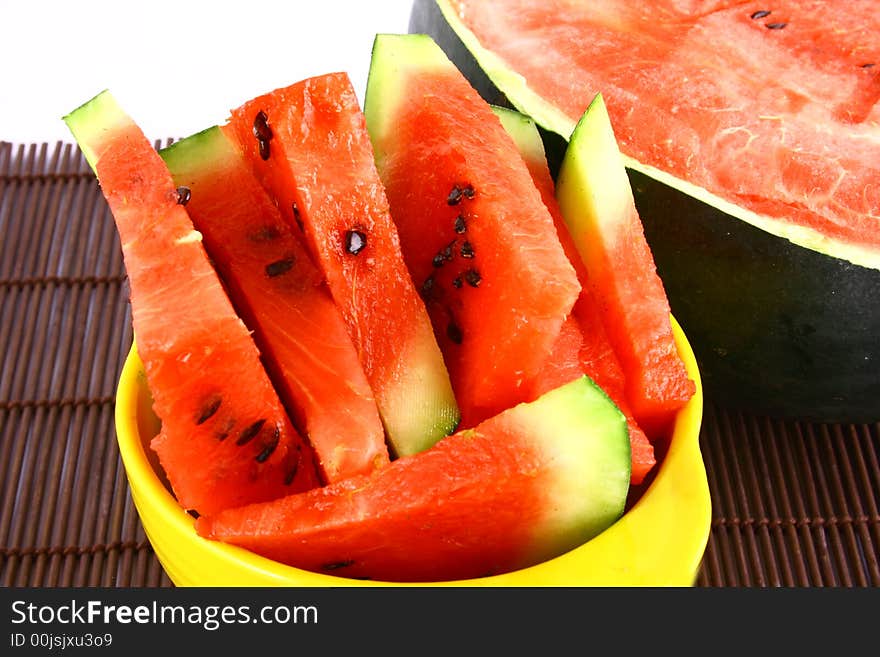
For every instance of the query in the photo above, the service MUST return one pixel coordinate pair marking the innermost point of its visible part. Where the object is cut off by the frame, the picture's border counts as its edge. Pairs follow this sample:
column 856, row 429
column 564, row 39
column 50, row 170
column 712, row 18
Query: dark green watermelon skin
column 777, row 329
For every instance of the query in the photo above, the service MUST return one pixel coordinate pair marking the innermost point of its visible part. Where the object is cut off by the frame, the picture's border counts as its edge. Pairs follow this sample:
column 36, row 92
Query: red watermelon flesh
column 225, row 439
column 283, row 297
column 524, row 486
column 476, row 237
column 772, row 107
column 583, row 346
column 597, row 205
column 309, row 146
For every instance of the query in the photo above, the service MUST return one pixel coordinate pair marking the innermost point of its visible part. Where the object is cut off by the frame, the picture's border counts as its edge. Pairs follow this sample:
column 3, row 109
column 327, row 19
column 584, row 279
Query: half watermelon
column 225, row 439
column 309, row 146
column 283, row 298
column 476, row 237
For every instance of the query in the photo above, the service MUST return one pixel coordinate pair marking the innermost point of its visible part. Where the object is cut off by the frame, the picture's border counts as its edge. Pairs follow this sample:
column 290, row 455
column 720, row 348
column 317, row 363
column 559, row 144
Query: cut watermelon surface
column 283, row 297
column 773, row 109
column 225, row 439
column 477, row 239
column 309, row 146
column 524, row 486
column 583, row 346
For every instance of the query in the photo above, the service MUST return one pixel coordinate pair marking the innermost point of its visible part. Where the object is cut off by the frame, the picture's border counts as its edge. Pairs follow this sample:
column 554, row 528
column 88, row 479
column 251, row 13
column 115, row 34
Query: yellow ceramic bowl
column 659, row 541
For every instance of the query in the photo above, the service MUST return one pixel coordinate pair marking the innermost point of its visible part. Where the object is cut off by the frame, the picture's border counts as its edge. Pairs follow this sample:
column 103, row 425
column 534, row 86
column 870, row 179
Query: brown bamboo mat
column 794, row 503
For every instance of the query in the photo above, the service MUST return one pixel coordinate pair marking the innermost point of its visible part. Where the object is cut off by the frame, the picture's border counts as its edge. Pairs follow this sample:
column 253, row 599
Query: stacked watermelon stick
column 226, row 439
column 583, row 346
column 308, row 145
column 283, row 297
column 597, row 205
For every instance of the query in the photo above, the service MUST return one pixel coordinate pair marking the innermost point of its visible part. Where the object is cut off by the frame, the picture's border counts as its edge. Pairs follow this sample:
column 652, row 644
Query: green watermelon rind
column 90, row 119
column 525, row 99
column 420, row 54
column 584, row 435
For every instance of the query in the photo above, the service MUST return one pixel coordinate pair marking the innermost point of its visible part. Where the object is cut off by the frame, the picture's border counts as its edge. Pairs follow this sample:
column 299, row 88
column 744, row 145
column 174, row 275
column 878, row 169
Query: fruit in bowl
column 658, row 541
column 525, row 382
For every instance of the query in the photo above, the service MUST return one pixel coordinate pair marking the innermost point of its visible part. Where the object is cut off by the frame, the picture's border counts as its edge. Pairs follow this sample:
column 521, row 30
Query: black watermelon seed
column 447, row 251
column 427, row 287
column 467, row 250
column 469, row 191
column 291, row 475
column 438, row 260
column 456, row 282
column 297, row 217
column 868, row 65
column 270, row 446
column 262, row 131
column 193, row 513
column 454, row 197
column 247, row 434
column 184, row 194
column 280, row 267
column 453, row 331
column 759, row 14
column 775, row 26
column 355, row 241
column 473, row 278
column 264, row 149
column 460, row 225
column 210, row 407
column 336, row 565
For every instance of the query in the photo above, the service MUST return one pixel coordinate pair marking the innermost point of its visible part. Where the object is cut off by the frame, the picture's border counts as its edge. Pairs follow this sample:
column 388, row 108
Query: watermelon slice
column 597, row 205
column 309, row 147
column 583, row 346
column 225, row 439
column 475, row 234
column 282, row 296
column 520, row 488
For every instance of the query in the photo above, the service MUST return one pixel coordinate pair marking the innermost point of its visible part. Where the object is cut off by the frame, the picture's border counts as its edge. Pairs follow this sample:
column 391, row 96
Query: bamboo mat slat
column 795, row 504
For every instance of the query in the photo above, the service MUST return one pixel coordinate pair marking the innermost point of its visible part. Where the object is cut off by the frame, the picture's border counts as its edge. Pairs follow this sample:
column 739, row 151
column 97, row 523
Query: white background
column 176, row 66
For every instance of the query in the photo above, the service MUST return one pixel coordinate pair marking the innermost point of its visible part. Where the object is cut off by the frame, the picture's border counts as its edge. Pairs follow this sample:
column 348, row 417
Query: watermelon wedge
column 225, row 439
column 597, row 204
column 309, row 147
column 524, row 486
column 283, row 298
column 476, row 237
column 583, row 346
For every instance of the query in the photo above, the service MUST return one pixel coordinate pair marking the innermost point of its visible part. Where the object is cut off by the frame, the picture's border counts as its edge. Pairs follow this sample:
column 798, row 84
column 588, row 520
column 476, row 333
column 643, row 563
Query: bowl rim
column 672, row 516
